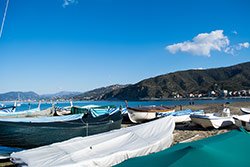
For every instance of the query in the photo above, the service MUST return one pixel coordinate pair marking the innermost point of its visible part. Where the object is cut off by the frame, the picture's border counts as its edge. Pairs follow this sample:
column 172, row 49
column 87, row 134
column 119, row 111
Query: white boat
column 242, row 121
column 181, row 116
column 106, row 149
column 146, row 113
column 64, row 110
column 212, row 120
column 245, row 110
column 36, row 112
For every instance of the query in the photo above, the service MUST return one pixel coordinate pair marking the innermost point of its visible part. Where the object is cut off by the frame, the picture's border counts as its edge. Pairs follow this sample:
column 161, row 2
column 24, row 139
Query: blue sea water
column 44, row 105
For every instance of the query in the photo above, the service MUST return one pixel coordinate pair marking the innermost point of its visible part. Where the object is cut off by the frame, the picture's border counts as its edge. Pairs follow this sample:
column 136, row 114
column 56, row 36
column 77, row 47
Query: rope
column 4, row 16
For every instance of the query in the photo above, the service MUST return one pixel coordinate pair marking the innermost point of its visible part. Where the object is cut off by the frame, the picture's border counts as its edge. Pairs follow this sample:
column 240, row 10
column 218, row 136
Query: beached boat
column 245, row 110
column 145, row 113
column 96, row 110
column 36, row 112
column 34, row 132
column 181, row 116
column 242, row 121
column 215, row 120
column 59, row 111
column 106, row 149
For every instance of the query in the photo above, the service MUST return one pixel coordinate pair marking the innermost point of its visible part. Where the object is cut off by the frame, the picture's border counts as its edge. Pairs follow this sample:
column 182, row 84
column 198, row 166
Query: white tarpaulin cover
column 105, row 149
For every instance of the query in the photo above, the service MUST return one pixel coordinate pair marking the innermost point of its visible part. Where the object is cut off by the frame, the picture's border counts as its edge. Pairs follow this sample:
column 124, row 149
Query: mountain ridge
column 184, row 83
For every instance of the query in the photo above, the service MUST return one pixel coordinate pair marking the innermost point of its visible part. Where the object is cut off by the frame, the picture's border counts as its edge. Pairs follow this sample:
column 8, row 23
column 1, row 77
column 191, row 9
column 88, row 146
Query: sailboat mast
column 4, row 16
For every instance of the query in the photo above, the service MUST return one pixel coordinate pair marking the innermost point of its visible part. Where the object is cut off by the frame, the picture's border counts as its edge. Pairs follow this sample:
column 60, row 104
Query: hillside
column 60, row 95
column 18, row 95
column 98, row 93
column 183, row 83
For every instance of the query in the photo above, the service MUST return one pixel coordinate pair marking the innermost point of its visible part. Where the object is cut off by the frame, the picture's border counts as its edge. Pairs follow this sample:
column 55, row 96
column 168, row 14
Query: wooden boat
column 106, row 149
column 34, row 132
column 242, row 121
column 212, row 120
column 145, row 113
column 245, row 110
column 36, row 112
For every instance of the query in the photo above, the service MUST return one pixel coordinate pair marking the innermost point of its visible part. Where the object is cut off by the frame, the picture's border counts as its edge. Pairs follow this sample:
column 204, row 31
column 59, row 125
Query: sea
column 44, row 105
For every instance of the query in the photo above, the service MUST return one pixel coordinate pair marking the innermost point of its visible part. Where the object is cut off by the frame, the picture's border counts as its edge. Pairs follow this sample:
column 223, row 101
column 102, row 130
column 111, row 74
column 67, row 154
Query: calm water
column 26, row 105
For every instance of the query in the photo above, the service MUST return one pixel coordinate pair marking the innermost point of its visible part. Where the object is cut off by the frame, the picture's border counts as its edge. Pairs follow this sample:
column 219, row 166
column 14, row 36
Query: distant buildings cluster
column 220, row 93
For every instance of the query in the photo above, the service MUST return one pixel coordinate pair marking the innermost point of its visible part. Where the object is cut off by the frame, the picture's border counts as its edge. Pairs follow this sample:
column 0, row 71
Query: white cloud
column 234, row 32
column 244, row 45
column 69, row 2
column 232, row 49
column 202, row 44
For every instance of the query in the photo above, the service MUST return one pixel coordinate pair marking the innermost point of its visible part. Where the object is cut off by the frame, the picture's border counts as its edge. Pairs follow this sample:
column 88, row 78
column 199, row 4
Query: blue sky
column 47, row 47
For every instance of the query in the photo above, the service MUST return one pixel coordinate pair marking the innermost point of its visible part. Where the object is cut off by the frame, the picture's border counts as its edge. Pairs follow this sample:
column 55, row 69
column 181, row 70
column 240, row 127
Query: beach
column 186, row 132
column 191, row 132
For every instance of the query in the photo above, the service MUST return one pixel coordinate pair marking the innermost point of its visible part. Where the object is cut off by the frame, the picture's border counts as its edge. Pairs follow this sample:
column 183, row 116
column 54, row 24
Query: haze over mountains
column 10, row 96
column 182, row 83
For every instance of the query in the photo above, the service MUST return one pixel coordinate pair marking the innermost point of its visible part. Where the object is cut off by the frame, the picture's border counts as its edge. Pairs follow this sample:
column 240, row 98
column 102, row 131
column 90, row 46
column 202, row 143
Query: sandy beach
column 187, row 132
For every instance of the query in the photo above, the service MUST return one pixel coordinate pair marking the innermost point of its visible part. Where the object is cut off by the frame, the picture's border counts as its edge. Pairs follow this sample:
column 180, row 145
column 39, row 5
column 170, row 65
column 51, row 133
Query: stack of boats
column 91, row 136
column 31, row 128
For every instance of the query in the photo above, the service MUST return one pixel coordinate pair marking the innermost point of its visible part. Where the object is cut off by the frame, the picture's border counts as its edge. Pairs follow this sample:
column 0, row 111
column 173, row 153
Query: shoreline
column 142, row 100
column 188, row 132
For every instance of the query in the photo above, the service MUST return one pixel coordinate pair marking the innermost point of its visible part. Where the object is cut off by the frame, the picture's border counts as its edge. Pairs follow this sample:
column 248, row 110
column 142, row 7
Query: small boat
column 245, row 110
column 182, row 115
column 105, row 149
column 36, row 112
column 242, row 121
column 215, row 120
column 34, row 132
column 146, row 113
column 96, row 110
column 64, row 110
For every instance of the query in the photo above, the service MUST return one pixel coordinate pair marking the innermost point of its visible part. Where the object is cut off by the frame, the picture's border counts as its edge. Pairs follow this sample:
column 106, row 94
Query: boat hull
column 243, row 121
column 139, row 117
column 245, row 110
column 28, row 113
column 210, row 121
column 32, row 134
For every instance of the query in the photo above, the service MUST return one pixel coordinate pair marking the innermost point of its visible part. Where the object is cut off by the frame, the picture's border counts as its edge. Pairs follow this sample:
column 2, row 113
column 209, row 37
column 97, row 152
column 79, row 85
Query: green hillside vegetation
column 231, row 78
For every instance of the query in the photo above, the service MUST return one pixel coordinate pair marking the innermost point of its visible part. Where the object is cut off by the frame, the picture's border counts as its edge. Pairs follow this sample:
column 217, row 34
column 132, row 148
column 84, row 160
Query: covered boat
column 214, row 120
column 94, row 109
column 181, row 116
column 230, row 149
column 34, row 132
column 106, row 149
column 145, row 113
column 242, row 121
